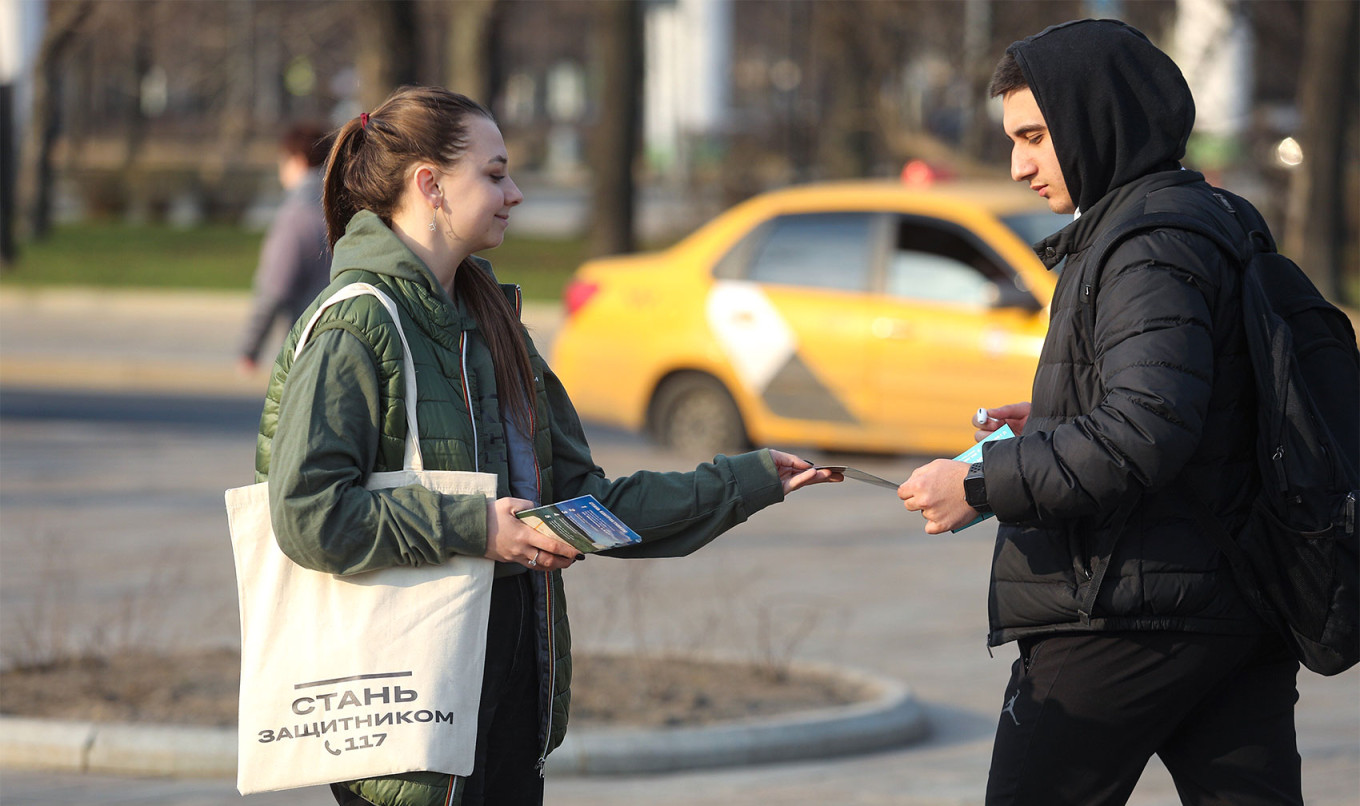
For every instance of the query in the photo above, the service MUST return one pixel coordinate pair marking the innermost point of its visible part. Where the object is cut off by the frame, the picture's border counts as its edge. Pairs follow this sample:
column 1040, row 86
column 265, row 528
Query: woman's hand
column 511, row 540
column 795, row 473
column 1015, row 415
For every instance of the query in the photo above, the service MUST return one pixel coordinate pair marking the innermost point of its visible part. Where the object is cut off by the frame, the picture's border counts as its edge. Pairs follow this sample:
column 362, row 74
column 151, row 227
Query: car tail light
column 921, row 174
column 577, row 294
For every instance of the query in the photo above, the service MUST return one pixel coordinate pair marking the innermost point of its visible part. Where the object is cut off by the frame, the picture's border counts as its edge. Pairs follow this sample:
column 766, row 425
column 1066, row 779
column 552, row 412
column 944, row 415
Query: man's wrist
column 975, row 489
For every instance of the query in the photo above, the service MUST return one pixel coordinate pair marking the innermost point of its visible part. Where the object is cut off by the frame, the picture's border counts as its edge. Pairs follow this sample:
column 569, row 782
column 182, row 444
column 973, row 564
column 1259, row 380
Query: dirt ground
column 201, row 689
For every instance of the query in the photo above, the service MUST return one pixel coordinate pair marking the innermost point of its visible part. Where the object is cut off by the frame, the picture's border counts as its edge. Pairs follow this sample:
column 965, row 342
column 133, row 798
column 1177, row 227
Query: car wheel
column 694, row 415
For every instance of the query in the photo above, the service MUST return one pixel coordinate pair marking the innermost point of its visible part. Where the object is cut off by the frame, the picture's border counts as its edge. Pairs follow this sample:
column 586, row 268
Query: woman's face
column 478, row 192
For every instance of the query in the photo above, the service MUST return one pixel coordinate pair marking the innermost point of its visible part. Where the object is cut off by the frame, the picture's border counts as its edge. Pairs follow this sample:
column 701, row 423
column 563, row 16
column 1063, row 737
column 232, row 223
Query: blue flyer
column 583, row 522
column 973, row 455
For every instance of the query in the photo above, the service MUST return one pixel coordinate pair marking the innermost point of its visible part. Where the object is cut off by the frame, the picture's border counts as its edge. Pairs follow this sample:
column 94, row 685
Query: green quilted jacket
column 337, row 414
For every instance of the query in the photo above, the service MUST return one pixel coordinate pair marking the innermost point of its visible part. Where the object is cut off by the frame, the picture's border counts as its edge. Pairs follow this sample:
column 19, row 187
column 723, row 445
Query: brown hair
column 367, row 170
column 1007, row 78
column 306, row 139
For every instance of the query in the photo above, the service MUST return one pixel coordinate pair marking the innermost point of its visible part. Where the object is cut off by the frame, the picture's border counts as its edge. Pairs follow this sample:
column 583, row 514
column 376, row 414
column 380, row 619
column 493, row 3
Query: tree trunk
column 1317, row 214
column 134, row 116
column 390, row 47
column 471, row 44
column 978, row 60
column 614, row 141
column 847, row 149
column 9, row 249
column 35, row 187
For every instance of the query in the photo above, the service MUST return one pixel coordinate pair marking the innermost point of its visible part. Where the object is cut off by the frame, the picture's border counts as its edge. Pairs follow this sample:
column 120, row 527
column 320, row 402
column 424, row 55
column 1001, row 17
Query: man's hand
column 936, row 491
column 1015, row 415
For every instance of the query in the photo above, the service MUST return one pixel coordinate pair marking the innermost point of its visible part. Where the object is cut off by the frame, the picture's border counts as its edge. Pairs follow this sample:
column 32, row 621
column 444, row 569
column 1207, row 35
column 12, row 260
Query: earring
column 433, row 214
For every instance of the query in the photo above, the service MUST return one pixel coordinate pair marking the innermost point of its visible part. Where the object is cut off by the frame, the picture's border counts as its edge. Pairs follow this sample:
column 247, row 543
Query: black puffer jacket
column 1126, row 415
column 1141, row 393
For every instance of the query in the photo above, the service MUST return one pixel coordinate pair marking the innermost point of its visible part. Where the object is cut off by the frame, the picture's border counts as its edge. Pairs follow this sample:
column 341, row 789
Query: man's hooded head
column 1116, row 107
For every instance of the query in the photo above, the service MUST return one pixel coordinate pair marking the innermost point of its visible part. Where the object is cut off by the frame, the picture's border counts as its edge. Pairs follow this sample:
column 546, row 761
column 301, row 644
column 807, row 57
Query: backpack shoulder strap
column 1255, row 237
column 1239, row 250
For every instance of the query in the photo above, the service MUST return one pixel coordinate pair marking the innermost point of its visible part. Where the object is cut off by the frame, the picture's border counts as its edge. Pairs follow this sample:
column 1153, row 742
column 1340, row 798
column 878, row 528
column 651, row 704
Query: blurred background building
column 167, row 110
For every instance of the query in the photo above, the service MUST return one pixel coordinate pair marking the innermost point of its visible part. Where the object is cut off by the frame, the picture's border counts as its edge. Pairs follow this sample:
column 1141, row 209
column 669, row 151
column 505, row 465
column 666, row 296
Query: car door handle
column 887, row 328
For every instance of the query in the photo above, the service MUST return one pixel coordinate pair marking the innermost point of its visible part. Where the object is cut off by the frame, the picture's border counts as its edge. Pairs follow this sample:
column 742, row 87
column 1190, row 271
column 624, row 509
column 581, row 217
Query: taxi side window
column 827, row 250
column 934, row 264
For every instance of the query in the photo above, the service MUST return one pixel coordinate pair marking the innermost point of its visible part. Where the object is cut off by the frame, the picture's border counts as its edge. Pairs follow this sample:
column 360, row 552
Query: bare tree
column 9, row 250
column 470, row 64
column 1317, row 215
column 390, row 52
column 64, row 22
column 614, row 141
column 850, row 139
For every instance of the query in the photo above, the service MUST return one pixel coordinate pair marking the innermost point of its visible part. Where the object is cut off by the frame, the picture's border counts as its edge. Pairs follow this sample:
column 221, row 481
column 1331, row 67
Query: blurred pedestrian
column 412, row 192
column 295, row 258
column 1133, row 637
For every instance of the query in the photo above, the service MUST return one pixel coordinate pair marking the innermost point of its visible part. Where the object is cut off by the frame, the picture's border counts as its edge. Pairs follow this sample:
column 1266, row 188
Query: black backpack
column 1296, row 559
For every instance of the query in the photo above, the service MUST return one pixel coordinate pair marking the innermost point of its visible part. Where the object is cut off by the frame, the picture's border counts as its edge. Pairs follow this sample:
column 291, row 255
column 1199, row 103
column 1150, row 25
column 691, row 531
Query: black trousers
column 505, row 772
column 1083, row 713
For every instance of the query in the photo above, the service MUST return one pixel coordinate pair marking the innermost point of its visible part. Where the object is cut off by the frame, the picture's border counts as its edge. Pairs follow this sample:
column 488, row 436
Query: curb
column 892, row 719
column 93, row 747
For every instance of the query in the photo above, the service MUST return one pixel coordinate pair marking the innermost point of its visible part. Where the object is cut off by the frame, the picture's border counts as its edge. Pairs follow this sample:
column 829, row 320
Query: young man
column 295, row 262
column 1133, row 637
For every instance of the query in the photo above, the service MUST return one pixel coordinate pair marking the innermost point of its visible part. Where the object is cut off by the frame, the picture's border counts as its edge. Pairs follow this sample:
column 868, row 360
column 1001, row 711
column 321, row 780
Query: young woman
column 412, row 192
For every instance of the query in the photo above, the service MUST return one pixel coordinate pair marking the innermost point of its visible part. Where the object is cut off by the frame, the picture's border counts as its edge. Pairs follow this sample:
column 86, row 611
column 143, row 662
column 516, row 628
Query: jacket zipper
column 552, row 674
column 547, row 579
column 548, row 616
column 467, row 399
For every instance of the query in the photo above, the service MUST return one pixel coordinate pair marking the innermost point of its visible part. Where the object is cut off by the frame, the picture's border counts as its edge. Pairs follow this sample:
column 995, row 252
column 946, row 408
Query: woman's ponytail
column 336, row 200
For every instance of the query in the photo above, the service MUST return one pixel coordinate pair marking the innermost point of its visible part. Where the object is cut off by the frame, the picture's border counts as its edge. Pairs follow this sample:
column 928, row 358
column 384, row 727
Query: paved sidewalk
column 146, row 341
column 837, row 574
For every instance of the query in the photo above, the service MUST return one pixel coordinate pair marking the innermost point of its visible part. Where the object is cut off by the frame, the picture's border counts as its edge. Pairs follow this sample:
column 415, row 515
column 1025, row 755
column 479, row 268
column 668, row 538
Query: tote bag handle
column 412, row 460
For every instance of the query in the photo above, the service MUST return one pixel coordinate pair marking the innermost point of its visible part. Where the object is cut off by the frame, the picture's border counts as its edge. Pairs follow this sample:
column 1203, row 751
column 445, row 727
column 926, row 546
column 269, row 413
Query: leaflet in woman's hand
column 859, row 475
column 583, row 522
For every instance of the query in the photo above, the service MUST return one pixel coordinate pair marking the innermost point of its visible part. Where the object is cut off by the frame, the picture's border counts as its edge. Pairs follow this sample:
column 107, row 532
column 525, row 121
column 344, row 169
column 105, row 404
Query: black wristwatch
column 975, row 489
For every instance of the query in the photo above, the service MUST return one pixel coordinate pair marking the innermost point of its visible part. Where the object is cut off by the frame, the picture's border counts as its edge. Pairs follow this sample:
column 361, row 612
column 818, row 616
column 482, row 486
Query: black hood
column 1117, row 108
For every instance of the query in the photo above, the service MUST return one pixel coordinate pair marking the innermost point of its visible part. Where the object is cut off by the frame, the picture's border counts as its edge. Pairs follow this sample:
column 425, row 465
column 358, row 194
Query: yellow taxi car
column 857, row 316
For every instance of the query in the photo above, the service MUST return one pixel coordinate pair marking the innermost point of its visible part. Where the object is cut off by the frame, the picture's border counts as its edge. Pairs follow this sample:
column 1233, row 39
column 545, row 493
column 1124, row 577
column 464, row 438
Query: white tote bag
column 359, row 676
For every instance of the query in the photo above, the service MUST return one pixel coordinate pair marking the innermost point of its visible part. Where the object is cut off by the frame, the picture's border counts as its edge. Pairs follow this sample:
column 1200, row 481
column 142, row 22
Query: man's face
column 1033, row 159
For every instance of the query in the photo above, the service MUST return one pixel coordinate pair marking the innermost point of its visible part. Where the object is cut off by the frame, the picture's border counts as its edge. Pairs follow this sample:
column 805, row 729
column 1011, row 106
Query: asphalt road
column 112, row 531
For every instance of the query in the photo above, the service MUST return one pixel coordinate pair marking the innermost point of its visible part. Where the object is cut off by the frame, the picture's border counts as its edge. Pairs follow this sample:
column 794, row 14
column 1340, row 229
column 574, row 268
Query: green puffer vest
column 453, row 369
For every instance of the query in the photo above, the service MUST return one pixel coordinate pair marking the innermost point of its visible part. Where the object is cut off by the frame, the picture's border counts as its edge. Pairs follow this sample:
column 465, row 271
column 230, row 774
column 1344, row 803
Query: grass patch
column 541, row 266
column 118, row 255
column 115, row 255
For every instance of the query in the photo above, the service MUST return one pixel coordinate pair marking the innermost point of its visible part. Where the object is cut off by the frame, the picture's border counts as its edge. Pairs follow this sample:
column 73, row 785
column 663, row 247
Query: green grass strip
column 118, row 255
